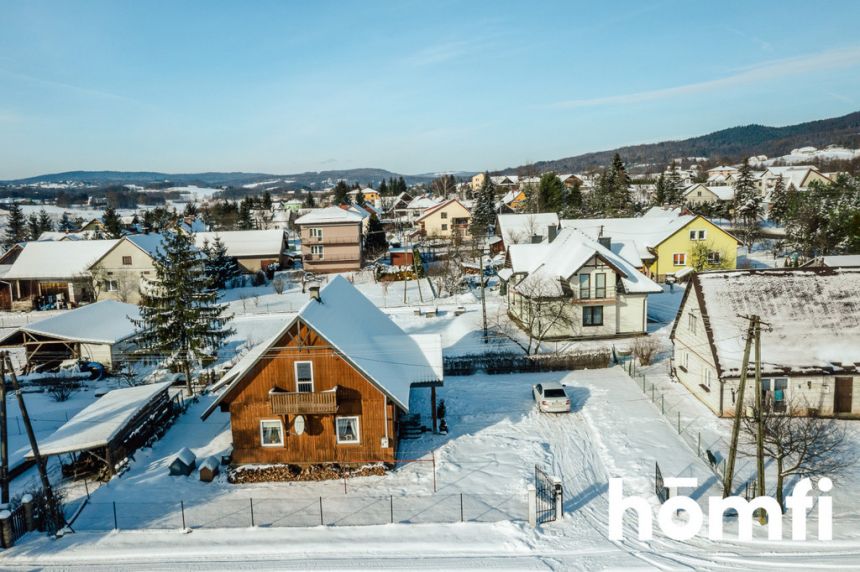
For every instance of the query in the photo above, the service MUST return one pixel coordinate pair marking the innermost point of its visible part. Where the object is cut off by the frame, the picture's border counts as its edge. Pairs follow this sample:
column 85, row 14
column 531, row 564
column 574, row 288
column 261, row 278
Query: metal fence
column 347, row 510
column 710, row 451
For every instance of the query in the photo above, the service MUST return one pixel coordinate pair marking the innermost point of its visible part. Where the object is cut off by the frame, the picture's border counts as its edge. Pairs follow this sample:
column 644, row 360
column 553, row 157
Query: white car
column 551, row 397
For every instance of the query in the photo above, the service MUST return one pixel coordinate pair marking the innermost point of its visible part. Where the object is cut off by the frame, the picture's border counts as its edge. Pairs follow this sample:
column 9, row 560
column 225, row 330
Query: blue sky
column 414, row 87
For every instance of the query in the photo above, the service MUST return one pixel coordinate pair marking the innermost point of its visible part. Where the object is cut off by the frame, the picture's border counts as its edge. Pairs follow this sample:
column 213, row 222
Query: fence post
column 679, row 423
column 252, row 512
column 434, row 470
column 6, row 528
column 532, row 505
column 182, row 508
column 653, row 399
column 86, row 487
column 699, row 445
column 391, row 507
column 662, row 404
column 461, row 508
column 322, row 522
column 115, row 523
column 29, row 520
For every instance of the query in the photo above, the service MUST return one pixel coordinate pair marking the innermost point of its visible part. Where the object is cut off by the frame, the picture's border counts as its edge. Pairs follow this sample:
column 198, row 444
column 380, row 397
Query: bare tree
column 126, row 375
column 644, row 349
column 126, row 287
column 801, row 444
column 540, row 308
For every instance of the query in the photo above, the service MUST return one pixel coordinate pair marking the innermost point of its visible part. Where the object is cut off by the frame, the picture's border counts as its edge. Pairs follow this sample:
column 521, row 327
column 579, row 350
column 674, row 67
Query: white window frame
column 317, row 250
column 111, row 285
column 315, row 232
column 444, row 226
column 296, row 375
column 683, row 256
column 714, row 257
column 691, row 323
column 692, row 235
column 703, row 234
column 280, row 432
column 357, row 430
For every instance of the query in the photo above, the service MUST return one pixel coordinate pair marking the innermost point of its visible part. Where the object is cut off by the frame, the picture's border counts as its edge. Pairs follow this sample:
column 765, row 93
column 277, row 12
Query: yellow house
column 370, row 195
column 664, row 245
column 515, row 199
column 443, row 220
column 478, row 181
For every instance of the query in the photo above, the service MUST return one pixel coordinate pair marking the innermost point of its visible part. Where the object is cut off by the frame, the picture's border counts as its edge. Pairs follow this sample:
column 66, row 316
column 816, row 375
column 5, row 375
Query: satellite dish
column 299, row 424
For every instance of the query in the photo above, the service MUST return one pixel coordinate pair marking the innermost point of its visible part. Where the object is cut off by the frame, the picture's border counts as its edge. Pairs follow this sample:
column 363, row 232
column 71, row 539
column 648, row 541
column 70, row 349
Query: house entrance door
column 844, row 395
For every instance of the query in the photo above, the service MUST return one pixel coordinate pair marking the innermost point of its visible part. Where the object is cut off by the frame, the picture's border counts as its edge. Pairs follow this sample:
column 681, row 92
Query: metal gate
column 549, row 496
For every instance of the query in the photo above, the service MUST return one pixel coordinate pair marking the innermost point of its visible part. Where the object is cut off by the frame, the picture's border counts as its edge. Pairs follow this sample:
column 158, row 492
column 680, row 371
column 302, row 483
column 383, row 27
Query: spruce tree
column 375, row 242
column 220, row 267
column 309, row 200
column 747, row 203
column 16, row 227
column 66, row 224
column 779, row 201
column 245, row 221
column 383, row 188
column 573, row 203
column 660, row 191
column 341, row 189
column 674, row 188
column 550, row 193
column 359, row 198
column 33, row 228
column 484, row 212
column 266, row 203
column 112, row 222
column 45, row 222
column 181, row 322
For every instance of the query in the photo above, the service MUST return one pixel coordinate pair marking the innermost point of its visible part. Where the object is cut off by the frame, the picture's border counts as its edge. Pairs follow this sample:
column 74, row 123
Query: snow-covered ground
column 495, row 440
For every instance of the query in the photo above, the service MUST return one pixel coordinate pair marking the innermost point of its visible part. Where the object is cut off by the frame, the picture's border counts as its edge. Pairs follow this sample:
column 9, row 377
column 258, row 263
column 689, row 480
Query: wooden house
column 330, row 386
column 810, row 339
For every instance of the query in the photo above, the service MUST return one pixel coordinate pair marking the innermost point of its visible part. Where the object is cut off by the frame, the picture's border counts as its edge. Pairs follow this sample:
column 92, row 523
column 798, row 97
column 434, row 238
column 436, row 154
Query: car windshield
column 554, row 393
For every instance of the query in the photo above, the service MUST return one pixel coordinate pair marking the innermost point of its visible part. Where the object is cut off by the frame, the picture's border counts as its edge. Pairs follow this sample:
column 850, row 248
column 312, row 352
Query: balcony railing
column 331, row 240
column 331, row 258
column 293, row 403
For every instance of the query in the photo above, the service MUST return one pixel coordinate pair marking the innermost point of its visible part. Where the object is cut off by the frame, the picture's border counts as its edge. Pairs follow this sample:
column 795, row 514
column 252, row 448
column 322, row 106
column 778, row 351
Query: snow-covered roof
column 439, row 207
column 422, row 203
column 105, row 322
column 329, row 215
column 633, row 234
column 391, row 359
column 246, row 242
column 794, row 175
column 519, row 228
column 723, row 168
column 50, row 235
column 98, row 423
column 149, row 243
column 812, row 317
column 64, row 259
column 570, row 251
column 511, row 196
column 525, row 257
column 722, row 192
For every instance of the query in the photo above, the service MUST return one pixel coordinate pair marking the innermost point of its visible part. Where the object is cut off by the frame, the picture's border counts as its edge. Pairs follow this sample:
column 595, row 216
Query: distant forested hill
column 731, row 145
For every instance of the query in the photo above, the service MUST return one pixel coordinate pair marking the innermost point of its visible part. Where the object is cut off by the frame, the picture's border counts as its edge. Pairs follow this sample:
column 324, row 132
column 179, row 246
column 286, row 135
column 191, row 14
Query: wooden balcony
column 293, row 403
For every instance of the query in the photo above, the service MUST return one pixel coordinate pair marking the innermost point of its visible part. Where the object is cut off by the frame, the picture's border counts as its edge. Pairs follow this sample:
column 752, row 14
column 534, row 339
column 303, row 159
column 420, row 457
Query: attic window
column 126, row 260
column 304, row 376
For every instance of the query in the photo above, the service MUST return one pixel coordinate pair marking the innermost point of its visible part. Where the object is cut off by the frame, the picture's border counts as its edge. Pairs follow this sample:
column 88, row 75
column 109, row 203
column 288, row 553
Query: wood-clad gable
column 274, row 374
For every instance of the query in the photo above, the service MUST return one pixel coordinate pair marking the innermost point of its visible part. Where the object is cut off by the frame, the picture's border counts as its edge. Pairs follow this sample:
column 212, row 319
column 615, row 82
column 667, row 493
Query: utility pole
column 739, row 411
column 53, row 518
column 759, row 417
column 4, row 436
column 483, row 295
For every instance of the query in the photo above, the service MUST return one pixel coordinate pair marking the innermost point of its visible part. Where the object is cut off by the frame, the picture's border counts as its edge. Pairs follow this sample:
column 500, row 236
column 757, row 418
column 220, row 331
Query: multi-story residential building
column 332, row 240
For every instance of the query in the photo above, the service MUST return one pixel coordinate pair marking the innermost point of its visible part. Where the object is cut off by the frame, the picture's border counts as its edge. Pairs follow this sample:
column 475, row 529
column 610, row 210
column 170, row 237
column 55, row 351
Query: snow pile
column 101, row 421
column 812, row 317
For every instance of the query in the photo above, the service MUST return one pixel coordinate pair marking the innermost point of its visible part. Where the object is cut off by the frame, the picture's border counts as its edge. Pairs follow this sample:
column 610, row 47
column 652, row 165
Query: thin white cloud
column 438, row 53
column 69, row 88
column 762, row 72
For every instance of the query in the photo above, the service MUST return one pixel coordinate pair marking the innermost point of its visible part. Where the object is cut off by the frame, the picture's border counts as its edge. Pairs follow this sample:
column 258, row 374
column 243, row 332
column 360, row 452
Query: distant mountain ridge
column 313, row 179
column 731, row 144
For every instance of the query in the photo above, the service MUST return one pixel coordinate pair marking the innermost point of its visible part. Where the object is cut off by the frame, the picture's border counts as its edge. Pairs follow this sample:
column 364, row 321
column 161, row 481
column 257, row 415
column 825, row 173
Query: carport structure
column 102, row 332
